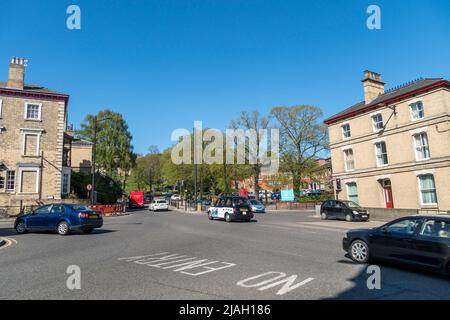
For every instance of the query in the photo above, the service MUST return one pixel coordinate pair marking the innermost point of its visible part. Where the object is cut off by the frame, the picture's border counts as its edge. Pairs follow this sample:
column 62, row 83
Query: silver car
column 257, row 206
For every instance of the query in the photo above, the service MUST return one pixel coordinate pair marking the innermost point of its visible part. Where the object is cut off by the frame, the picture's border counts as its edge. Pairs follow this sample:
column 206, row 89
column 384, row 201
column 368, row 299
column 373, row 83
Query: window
column 377, row 121
column 44, row 209
column 352, row 192
column 2, row 183
column 406, row 226
column 349, row 161
column 417, row 111
column 33, row 111
column 346, row 131
column 381, row 153
column 10, row 180
column 65, row 183
column 422, row 148
column 436, row 229
column 427, row 189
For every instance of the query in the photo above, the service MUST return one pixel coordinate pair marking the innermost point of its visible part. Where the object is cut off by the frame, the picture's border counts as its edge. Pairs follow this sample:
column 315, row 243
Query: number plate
column 243, row 210
column 93, row 216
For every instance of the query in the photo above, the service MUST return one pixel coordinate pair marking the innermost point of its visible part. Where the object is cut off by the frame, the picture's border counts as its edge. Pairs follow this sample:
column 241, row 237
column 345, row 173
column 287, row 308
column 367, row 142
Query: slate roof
column 32, row 88
column 389, row 94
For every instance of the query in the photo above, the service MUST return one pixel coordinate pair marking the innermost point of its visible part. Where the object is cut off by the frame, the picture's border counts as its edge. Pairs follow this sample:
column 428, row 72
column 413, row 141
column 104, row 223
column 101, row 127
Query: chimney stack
column 16, row 73
column 373, row 86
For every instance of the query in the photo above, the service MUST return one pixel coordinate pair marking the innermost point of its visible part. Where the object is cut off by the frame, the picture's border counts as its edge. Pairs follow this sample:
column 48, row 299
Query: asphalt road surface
column 175, row 255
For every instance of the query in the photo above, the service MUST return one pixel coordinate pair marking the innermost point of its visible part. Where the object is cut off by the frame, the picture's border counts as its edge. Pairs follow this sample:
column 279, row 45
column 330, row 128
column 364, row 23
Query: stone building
column 34, row 147
column 392, row 150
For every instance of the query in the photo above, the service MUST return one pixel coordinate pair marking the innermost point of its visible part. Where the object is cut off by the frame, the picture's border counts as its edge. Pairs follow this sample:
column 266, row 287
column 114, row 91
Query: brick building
column 34, row 147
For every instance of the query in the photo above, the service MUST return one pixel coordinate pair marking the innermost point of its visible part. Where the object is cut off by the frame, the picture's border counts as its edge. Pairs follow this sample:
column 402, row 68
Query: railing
column 296, row 205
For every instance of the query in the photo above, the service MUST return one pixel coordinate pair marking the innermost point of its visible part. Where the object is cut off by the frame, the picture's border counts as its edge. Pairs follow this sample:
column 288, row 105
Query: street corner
column 7, row 242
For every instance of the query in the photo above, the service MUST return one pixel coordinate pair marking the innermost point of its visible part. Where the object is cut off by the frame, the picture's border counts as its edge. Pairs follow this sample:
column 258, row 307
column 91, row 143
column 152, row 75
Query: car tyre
column 348, row 218
column 63, row 228
column 324, row 216
column 227, row 217
column 21, row 227
column 359, row 251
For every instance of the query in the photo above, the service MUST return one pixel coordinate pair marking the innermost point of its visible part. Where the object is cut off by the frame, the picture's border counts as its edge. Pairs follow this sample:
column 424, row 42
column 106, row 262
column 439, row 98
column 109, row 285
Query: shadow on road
column 7, row 232
column 398, row 282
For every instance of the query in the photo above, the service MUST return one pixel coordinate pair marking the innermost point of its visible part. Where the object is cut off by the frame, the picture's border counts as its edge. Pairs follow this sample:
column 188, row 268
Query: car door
column 329, row 208
column 394, row 241
column 431, row 246
column 36, row 221
column 54, row 216
column 217, row 210
column 338, row 210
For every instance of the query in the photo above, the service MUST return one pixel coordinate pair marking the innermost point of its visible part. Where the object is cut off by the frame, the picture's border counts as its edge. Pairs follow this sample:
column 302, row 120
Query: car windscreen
column 255, row 202
column 351, row 204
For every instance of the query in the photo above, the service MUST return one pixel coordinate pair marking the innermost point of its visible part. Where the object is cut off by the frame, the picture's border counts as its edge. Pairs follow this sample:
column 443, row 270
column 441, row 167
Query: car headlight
column 355, row 212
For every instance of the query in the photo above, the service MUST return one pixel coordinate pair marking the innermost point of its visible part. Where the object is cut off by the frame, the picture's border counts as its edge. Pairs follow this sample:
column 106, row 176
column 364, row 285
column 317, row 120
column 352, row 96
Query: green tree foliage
column 114, row 151
column 303, row 138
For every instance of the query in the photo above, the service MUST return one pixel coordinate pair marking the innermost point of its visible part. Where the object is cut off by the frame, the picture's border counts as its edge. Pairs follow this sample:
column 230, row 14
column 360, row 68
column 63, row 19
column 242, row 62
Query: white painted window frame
column 31, row 132
column 411, row 104
column 345, row 159
column 420, row 191
column 415, row 146
column 38, row 176
column 349, row 130
column 372, row 117
column 380, row 165
column 348, row 194
column 6, row 181
column 39, row 112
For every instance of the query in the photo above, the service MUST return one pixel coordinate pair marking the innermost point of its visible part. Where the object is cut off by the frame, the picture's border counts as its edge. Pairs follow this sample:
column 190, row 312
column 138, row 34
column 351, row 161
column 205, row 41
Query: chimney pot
column 373, row 86
column 16, row 73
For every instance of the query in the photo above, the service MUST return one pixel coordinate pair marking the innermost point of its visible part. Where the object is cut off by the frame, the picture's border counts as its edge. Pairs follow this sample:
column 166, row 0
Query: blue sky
column 164, row 64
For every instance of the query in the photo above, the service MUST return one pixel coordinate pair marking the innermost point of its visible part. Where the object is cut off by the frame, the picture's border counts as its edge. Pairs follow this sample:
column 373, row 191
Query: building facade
column 392, row 150
column 34, row 147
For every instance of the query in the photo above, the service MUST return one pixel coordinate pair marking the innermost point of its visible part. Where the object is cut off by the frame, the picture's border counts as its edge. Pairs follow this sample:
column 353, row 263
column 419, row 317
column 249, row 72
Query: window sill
column 33, row 120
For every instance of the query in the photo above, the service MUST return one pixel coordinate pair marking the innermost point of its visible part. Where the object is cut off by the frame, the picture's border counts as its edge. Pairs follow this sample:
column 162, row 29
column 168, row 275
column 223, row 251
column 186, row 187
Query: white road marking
column 278, row 278
column 9, row 242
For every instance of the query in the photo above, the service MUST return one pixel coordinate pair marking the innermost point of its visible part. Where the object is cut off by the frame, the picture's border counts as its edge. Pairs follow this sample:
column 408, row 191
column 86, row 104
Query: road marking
column 278, row 278
column 9, row 242
column 179, row 263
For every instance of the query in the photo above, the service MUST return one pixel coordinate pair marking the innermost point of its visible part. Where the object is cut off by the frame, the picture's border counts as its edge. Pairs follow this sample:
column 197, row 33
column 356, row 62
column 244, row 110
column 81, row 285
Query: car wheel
column 324, row 216
column 359, row 251
column 63, row 228
column 210, row 217
column 21, row 227
column 86, row 231
column 227, row 217
column 348, row 218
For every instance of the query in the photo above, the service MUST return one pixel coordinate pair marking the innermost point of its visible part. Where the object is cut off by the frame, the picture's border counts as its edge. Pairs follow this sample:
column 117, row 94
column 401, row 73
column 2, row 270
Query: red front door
column 388, row 197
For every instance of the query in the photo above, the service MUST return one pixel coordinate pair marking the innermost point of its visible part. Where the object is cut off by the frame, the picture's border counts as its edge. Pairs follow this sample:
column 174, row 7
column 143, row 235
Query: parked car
column 276, row 195
column 231, row 209
column 175, row 197
column 137, row 199
column 420, row 240
column 62, row 218
column 345, row 210
column 159, row 205
column 257, row 206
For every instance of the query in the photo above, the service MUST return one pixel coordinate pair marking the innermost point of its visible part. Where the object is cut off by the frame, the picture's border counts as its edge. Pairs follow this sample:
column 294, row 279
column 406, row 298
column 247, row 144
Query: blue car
column 257, row 206
column 62, row 218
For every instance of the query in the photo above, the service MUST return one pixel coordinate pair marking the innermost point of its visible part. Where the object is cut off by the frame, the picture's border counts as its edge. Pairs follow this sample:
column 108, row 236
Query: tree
column 302, row 139
column 148, row 171
column 252, row 121
column 114, row 154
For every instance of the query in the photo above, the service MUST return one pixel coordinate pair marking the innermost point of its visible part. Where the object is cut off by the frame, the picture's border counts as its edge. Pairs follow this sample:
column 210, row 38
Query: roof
column 31, row 87
column 390, row 96
column 33, row 91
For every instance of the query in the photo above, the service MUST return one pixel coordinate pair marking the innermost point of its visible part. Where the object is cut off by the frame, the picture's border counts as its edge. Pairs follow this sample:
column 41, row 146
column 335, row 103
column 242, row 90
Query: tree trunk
column 297, row 183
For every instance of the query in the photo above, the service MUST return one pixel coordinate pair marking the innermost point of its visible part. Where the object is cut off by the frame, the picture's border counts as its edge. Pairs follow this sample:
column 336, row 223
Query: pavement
column 174, row 255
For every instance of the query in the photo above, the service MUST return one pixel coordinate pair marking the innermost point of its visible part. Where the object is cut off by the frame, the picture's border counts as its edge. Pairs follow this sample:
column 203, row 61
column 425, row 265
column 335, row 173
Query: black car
column 422, row 241
column 231, row 209
column 345, row 210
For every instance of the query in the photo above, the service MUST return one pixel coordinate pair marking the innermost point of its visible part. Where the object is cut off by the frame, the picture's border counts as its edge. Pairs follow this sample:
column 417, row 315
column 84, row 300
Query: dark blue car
column 62, row 218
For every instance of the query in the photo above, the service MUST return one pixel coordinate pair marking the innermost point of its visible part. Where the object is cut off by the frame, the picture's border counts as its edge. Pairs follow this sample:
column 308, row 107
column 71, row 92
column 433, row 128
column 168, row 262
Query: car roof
column 436, row 216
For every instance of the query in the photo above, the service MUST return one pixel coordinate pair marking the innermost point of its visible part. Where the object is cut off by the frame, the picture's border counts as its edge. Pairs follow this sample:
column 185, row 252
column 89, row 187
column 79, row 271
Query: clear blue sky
column 164, row 64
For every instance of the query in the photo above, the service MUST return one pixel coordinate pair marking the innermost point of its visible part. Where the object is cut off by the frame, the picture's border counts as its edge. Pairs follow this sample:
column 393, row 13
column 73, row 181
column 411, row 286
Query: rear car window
column 436, row 229
column 161, row 201
column 80, row 208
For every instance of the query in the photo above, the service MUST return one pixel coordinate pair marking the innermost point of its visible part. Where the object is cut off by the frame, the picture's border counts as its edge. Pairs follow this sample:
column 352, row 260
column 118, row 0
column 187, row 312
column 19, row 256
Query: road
column 175, row 255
